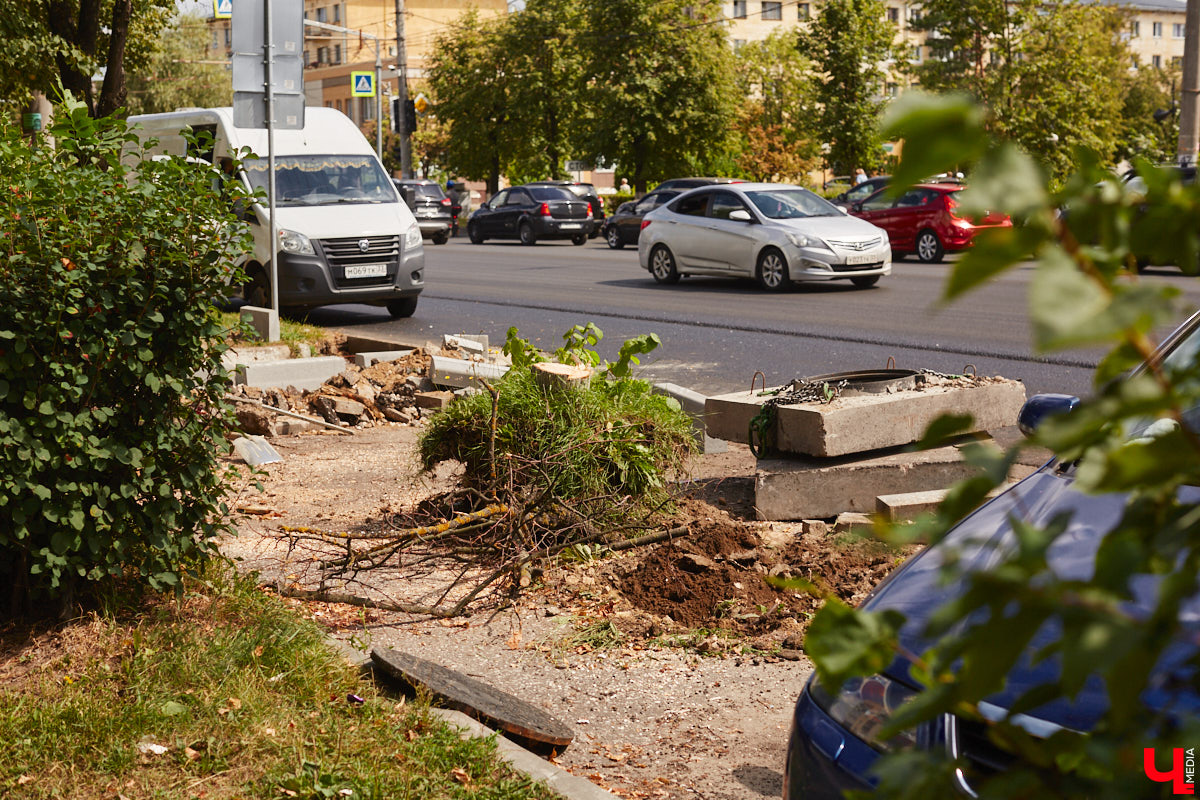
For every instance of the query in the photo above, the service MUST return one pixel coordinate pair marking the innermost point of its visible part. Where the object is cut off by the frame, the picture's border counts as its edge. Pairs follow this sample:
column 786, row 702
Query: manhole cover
column 870, row 381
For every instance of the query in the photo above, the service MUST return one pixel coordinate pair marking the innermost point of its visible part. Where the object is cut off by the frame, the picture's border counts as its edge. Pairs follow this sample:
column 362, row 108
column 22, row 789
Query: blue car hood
column 916, row 590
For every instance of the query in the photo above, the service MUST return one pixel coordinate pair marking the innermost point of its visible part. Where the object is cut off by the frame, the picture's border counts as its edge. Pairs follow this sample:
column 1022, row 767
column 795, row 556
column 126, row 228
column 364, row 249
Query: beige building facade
column 1155, row 33
column 331, row 57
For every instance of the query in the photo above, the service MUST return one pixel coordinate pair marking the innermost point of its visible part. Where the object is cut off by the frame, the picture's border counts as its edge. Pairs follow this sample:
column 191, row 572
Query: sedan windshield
column 323, row 180
column 791, row 204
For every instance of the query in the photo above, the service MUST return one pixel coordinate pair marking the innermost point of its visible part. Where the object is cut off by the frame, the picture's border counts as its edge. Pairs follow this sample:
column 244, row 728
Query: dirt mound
column 724, row 576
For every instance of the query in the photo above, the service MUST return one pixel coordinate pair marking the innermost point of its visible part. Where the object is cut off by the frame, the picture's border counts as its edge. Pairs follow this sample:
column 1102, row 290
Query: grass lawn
column 291, row 333
column 221, row 693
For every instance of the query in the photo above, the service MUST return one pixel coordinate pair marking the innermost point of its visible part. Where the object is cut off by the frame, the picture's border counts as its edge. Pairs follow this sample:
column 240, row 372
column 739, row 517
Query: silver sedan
column 773, row 232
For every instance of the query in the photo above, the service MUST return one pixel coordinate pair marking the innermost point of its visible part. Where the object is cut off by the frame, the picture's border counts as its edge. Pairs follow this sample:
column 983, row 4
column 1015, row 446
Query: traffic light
column 410, row 115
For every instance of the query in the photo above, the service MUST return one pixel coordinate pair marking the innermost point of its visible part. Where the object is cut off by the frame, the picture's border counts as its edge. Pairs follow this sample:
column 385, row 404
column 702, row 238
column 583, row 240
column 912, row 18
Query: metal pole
column 273, row 247
column 1189, row 100
column 402, row 92
column 378, row 103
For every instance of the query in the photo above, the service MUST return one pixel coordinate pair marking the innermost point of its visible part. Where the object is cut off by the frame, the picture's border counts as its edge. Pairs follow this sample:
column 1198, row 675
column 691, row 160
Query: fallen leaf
column 233, row 703
column 192, row 755
column 24, row 779
column 269, row 731
column 514, row 641
column 461, row 775
column 258, row 651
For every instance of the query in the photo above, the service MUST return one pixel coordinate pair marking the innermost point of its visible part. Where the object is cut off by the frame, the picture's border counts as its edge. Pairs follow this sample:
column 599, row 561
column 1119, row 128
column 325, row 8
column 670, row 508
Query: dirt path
column 593, row 644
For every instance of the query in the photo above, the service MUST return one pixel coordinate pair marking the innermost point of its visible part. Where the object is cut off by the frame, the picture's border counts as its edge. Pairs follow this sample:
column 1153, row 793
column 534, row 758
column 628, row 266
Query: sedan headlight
column 800, row 240
column 292, row 242
column 412, row 237
column 864, row 706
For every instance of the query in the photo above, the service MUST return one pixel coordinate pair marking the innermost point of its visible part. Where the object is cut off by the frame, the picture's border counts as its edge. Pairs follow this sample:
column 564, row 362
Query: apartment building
column 330, row 57
column 1155, row 32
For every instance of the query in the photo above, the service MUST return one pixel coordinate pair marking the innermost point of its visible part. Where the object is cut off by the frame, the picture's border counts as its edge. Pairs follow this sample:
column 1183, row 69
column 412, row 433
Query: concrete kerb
column 570, row 786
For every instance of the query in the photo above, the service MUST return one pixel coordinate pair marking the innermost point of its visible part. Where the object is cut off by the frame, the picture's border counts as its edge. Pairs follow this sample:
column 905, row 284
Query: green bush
column 613, row 201
column 111, row 413
column 610, row 438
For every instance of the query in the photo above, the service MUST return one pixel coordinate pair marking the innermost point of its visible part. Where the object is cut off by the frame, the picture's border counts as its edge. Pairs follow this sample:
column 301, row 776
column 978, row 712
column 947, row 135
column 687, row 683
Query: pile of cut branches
column 550, row 466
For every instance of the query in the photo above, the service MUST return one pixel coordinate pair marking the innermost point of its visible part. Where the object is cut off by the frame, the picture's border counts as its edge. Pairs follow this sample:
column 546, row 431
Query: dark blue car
column 835, row 737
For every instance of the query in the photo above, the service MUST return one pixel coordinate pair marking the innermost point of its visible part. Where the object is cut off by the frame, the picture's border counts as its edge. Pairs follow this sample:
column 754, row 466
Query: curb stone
column 569, row 786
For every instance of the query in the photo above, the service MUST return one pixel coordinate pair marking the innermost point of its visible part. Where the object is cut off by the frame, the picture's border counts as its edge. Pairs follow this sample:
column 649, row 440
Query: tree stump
column 551, row 375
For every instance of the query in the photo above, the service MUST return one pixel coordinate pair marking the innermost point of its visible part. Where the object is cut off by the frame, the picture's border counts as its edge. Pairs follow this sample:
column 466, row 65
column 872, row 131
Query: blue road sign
column 222, row 9
column 362, row 84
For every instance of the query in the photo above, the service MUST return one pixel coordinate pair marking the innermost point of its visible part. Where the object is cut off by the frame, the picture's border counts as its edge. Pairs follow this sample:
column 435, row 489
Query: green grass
column 245, row 696
column 291, row 333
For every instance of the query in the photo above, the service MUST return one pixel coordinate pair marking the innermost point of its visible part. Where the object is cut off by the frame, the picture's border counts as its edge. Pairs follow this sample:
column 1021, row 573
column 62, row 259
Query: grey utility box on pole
column 250, row 67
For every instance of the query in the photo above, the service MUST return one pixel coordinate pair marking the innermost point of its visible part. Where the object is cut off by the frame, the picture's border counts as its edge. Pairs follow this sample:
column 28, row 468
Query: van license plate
column 366, row 271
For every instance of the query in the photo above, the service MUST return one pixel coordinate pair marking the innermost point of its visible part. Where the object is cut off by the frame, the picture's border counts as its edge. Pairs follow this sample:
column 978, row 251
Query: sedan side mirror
column 741, row 215
column 856, row 207
column 1040, row 406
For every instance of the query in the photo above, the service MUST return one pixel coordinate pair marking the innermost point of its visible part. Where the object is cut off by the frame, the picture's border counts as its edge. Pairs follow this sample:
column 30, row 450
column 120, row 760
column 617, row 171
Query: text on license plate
column 861, row 258
column 366, row 270
column 568, row 226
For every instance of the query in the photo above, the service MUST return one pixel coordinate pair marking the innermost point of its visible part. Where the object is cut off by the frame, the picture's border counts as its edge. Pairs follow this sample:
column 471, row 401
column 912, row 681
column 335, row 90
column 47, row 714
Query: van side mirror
column 741, row 215
column 1040, row 406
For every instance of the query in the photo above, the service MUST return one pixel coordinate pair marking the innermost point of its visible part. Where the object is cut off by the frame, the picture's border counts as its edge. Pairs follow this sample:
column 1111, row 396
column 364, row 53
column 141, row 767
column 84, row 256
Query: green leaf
column 945, row 429
column 172, row 709
column 845, row 642
column 1063, row 302
column 946, row 132
column 1007, row 180
column 994, row 251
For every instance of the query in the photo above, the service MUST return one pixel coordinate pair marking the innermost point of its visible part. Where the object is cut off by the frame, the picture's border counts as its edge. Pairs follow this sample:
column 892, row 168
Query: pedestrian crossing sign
column 362, row 84
column 222, row 9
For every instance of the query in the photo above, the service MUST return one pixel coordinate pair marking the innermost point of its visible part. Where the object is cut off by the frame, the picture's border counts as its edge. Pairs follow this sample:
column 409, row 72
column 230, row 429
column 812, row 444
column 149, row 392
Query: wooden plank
column 476, row 698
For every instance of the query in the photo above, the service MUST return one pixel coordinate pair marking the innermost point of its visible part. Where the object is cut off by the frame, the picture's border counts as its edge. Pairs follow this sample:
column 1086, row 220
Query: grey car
column 772, row 232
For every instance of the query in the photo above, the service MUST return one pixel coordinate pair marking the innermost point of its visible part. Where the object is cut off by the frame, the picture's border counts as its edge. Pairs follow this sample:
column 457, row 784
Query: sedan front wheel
column 772, row 272
column 613, row 237
column 662, row 265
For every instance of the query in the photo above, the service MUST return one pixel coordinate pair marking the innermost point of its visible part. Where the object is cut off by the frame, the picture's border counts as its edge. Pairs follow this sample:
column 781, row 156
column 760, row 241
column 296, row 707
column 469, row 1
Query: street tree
column 44, row 42
column 180, row 72
column 660, row 91
column 1148, row 91
column 474, row 90
column 848, row 43
column 542, row 54
column 778, row 108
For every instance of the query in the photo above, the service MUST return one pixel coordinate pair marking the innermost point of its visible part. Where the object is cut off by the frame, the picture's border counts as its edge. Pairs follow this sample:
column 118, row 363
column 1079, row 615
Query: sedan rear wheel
column 474, row 234
column 929, row 247
column 772, row 272
column 578, row 239
column 525, row 232
column 662, row 265
column 613, row 237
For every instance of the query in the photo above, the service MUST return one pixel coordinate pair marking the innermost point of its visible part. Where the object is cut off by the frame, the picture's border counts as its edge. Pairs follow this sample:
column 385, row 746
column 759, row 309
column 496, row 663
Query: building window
column 1156, row 30
column 893, row 15
column 329, row 104
column 216, row 39
column 914, row 14
column 772, row 11
column 1176, row 62
column 738, row 44
column 1135, row 28
column 915, row 55
column 304, row 58
column 1177, row 30
column 321, row 15
column 804, row 11
column 337, row 12
column 228, row 36
column 366, row 107
column 337, row 54
column 1156, row 61
column 893, row 89
column 322, row 55
column 739, row 9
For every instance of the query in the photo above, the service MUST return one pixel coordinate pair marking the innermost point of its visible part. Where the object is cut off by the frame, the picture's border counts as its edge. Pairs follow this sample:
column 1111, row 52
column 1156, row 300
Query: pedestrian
column 859, row 176
column 454, row 191
column 624, row 188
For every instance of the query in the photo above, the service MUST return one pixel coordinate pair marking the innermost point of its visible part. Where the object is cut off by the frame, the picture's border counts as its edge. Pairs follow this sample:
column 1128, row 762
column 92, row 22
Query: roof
column 1179, row 6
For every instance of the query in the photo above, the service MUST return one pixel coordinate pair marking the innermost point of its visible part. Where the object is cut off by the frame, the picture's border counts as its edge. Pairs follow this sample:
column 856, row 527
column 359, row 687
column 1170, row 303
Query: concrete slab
column 866, row 422
column 458, row 373
column 470, row 343
column 898, row 507
column 254, row 355
column 808, row 488
column 303, row 373
column 375, row 356
column 265, row 321
column 693, row 403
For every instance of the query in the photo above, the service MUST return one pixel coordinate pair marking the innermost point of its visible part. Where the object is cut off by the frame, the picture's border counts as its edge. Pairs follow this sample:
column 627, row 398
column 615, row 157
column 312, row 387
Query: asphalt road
column 718, row 333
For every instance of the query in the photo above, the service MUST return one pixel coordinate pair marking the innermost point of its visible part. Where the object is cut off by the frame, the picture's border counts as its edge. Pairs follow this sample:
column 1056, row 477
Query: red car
column 923, row 220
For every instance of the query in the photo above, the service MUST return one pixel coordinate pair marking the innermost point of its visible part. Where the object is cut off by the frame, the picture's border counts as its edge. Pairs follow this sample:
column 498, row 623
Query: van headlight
column 864, row 706
column 298, row 243
column 800, row 240
column 412, row 237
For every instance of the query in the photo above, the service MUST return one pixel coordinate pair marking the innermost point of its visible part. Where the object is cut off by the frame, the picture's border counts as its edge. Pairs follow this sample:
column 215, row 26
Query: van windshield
column 315, row 180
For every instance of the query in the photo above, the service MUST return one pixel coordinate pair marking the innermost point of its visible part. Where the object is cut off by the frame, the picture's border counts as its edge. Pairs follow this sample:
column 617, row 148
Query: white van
column 345, row 235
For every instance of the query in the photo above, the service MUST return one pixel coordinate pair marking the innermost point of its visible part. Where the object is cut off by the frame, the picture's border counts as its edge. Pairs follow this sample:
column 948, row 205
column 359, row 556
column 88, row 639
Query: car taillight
column 645, row 222
column 544, row 210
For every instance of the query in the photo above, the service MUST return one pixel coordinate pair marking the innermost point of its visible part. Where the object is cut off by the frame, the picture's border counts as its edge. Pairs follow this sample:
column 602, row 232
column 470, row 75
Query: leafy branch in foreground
column 1117, row 628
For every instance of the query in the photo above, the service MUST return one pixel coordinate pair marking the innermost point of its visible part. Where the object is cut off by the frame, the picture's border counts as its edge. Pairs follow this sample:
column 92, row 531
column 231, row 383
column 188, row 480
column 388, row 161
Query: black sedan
column 624, row 226
column 530, row 213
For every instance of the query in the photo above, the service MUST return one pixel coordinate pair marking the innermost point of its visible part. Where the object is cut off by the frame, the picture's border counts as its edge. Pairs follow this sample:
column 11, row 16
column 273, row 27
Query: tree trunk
column 80, row 29
column 113, row 92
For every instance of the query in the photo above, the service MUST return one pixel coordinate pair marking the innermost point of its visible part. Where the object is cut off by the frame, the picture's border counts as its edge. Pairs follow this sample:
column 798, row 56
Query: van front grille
column 361, row 251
